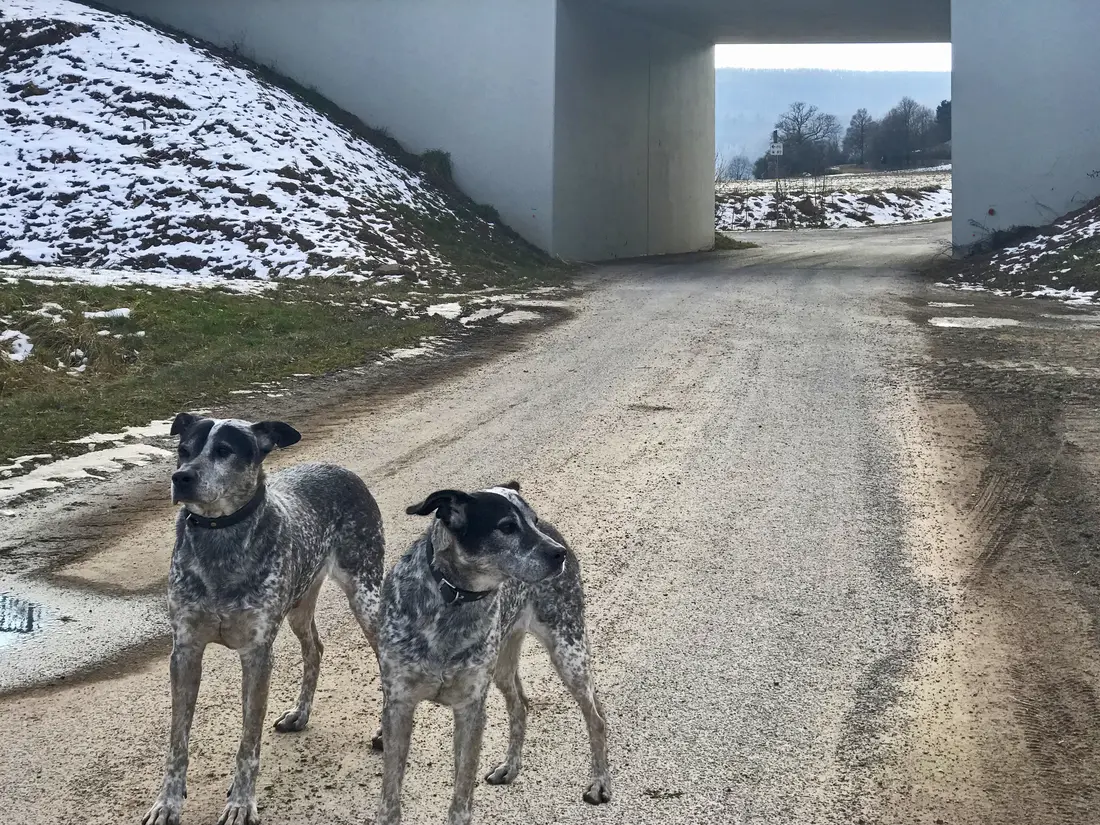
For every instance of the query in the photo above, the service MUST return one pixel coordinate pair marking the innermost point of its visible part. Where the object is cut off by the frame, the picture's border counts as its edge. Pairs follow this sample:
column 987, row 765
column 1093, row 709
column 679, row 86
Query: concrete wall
column 634, row 137
column 472, row 77
column 1025, row 112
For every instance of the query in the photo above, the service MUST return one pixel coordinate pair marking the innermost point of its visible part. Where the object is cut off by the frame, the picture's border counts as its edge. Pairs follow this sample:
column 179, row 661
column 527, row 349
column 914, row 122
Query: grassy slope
column 1023, row 260
column 197, row 348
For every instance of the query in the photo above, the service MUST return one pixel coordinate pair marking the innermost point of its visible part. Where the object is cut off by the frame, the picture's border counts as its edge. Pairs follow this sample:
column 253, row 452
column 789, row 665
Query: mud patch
column 1002, row 715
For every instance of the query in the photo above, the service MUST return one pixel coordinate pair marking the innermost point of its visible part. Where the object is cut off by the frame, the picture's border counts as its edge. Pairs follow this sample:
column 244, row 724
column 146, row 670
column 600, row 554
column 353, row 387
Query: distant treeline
column 909, row 135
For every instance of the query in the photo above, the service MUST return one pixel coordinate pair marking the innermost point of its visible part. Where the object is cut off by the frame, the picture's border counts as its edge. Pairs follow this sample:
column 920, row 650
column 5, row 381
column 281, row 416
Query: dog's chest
column 447, row 661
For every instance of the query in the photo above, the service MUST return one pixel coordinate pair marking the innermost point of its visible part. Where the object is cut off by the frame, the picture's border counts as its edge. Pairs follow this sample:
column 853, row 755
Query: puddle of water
column 973, row 323
column 18, row 617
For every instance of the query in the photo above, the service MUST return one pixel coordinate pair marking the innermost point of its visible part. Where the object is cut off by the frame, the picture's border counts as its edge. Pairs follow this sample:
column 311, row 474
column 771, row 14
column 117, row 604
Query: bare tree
column 804, row 123
column 858, row 137
column 738, row 167
column 809, row 138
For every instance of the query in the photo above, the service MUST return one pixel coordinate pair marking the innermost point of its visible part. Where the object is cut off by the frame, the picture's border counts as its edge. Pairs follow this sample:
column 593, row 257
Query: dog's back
column 331, row 512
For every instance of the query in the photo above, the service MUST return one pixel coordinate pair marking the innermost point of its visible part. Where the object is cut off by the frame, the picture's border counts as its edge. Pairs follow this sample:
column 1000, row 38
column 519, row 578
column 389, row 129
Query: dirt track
column 841, row 566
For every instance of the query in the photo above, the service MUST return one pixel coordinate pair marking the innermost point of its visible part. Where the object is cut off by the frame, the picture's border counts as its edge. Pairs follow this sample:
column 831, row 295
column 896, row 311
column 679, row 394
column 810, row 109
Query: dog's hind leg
column 570, row 657
column 506, row 677
column 364, row 597
column 300, row 619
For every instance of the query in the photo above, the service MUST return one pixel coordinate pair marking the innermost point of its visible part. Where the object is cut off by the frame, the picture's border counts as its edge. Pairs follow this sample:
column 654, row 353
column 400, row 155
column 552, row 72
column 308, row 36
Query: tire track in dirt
column 1000, row 716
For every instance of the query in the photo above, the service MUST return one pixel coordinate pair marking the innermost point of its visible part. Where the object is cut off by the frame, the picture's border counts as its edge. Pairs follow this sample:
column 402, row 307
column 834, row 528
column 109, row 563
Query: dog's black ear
column 513, row 485
column 182, row 423
column 272, row 434
column 448, row 505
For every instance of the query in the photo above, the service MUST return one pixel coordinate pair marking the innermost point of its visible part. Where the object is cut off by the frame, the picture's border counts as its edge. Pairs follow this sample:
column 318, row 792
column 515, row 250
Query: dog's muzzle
column 183, row 485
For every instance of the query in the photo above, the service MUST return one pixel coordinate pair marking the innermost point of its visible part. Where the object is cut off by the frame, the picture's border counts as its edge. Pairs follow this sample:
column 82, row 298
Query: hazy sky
column 889, row 57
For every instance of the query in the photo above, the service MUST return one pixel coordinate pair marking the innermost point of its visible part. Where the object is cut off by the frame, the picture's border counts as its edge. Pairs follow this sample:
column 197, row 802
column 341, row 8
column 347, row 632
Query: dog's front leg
column 255, row 680
column 397, row 728
column 185, row 673
column 469, row 727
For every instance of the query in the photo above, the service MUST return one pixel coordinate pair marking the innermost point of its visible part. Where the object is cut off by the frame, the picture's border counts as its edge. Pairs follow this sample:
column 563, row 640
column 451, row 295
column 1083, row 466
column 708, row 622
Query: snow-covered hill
column 123, row 147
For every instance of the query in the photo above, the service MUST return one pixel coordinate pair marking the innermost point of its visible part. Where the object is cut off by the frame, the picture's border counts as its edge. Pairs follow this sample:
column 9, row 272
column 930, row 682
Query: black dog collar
column 450, row 593
column 232, row 518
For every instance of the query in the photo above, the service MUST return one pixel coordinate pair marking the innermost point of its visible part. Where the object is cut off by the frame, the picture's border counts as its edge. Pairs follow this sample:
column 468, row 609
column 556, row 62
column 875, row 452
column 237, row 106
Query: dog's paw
column 598, row 792
column 164, row 812
column 504, row 774
column 376, row 740
column 240, row 813
column 292, row 721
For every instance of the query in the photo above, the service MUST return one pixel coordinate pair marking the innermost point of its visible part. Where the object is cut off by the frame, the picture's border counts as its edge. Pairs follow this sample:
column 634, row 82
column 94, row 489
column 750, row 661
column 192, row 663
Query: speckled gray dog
column 250, row 552
column 455, row 610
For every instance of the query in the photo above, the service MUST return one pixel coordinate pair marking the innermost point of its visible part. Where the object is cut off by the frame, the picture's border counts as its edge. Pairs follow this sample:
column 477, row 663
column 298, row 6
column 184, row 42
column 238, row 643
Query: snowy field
column 939, row 176
column 835, row 202
column 834, row 210
column 123, row 148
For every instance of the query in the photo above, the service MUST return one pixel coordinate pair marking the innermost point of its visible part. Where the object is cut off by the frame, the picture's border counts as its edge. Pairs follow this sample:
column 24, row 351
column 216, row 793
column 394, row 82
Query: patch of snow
column 539, row 302
column 18, row 463
column 481, row 315
column 120, row 312
column 55, row 312
column 946, row 304
column 154, row 429
column 1069, row 295
column 58, row 473
column 449, row 311
column 519, row 316
column 427, row 346
column 16, row 345
column 973, row 323
column 95, row 276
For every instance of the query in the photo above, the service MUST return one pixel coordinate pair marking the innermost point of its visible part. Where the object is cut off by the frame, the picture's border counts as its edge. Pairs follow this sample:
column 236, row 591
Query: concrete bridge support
column 589, row 124
column 1025, row 112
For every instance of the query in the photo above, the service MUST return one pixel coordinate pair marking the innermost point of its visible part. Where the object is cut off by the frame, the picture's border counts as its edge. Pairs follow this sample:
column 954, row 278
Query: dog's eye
column 184, row 453
column 223, row 451
column 508, row 528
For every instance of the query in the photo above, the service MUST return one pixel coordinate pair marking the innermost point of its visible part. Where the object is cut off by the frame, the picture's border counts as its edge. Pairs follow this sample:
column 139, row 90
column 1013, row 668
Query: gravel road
column 732, row 444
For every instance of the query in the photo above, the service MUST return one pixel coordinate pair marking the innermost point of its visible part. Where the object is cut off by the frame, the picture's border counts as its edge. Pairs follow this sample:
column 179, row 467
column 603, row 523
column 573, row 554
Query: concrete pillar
column 1025, row 112
column 633, row 137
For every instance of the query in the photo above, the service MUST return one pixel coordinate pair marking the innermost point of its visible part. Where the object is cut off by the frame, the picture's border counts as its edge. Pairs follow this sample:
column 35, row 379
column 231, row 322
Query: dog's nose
column 183, row 478
column 557, row 558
